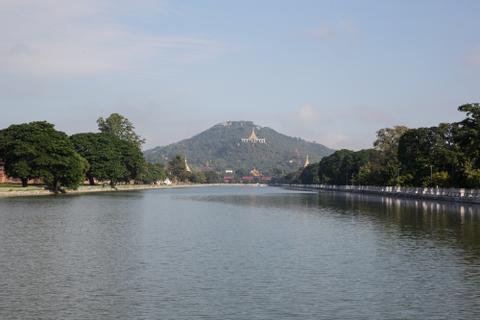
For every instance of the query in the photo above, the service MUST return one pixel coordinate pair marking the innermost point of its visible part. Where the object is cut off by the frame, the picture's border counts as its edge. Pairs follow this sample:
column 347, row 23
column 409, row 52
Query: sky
column 333, row 72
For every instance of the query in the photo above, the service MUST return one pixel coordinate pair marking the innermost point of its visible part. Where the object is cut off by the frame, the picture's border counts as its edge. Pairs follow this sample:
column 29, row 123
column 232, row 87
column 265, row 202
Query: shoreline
column 453, row 195
column 86, row 189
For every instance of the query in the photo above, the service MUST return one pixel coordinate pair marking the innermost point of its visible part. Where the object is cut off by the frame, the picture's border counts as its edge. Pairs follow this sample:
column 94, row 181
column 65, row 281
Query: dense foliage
column 120, row 127
column 152, row 173
column 102, row 154
column 447, row 155
column 37, row 150
column 220, row 148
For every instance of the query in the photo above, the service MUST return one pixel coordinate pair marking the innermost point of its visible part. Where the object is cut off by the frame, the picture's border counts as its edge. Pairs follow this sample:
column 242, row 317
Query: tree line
column 36, row 150
column 447, row 155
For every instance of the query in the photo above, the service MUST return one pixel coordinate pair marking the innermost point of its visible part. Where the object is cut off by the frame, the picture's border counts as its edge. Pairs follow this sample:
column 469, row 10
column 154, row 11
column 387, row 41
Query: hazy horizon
column 324, row 71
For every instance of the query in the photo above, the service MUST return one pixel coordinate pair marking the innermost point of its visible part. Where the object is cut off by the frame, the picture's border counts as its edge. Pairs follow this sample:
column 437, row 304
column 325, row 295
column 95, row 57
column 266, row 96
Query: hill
column 221, row 147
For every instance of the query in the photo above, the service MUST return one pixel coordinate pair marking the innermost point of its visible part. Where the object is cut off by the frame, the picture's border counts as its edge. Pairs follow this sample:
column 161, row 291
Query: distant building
column 256, row 177
column 229, row 171
column 253, row 138
column 254, row 172
column 248, row 178
column 228, row 179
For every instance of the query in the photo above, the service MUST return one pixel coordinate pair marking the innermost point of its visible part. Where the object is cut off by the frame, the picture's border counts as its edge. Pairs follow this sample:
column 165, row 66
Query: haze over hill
column 221, row 147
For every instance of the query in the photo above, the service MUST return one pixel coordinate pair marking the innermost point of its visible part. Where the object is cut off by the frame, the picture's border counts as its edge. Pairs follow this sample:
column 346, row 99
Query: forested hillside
column 220, row 147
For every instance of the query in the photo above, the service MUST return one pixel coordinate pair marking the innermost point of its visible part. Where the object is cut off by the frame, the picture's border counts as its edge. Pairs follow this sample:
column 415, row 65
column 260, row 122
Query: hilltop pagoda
column 253, row 138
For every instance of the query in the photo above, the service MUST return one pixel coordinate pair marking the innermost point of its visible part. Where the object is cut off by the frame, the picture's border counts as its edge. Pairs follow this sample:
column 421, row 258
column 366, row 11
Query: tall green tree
column 37, row 150
column 132, row 158
column 425, row 152
column 468, row 135
column 387, row 144
column 387, row 140
column 103, row 154
column 120, row 127
column 415, row 154
column 340, row 167
column 373, row 168
column 309, row 174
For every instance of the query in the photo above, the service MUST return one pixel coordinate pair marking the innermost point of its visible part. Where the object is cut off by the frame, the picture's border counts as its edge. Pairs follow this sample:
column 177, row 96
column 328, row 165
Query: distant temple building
column 256, row 177
column 307, row 162
column 254, row 172
column 228, row 179
column 253, row 138
column 187, row 168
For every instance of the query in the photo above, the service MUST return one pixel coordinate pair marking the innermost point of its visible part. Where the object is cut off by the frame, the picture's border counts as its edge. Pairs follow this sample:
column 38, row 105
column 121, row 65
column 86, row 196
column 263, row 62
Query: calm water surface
column 237, row 253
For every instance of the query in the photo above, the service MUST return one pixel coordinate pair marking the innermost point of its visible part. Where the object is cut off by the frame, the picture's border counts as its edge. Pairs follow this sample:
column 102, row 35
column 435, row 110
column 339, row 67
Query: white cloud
column 77, row 38
column 307, row 114
column 351, row 127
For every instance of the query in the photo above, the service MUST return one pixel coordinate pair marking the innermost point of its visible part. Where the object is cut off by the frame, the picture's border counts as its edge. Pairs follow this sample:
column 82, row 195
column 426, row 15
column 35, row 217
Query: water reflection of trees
column 439, row 219
column 447, row 223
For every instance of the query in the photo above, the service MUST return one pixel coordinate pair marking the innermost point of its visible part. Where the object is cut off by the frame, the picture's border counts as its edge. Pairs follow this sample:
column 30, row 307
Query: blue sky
column 328, row 71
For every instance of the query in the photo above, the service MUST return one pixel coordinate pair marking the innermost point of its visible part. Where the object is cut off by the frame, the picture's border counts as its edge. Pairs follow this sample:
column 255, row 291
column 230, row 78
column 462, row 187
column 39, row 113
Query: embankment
column 443, row 194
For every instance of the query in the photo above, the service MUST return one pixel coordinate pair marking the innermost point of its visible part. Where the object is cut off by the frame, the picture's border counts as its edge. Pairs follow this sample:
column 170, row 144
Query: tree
column 18, row 151
column 103, row 155
column 472, row 178
column 387, row 144
column 178, row 169
column 342, row 166
column 110, row 158
column 415, row 154
column 120, row 127
column 309, row 174
column 63, row 167
column 387, row 140
column 198, row 177
column 446, row 155
column 468, row 135
column 152, row 173
column 37, row 150
column 132, row 158
column 213, row 177
column 425, row 151
column 440, row 179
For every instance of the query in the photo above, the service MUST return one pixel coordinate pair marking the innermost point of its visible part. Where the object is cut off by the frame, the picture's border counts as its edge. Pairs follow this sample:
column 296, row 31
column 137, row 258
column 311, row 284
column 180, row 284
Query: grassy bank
column 16, row 190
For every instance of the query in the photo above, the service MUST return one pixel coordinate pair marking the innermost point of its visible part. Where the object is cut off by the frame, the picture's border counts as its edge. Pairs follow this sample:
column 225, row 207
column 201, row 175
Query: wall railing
column 449, row 194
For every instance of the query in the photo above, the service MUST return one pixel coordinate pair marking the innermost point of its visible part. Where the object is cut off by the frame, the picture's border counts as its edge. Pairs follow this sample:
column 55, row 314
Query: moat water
column 237, row 253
